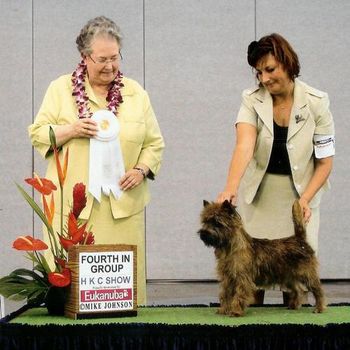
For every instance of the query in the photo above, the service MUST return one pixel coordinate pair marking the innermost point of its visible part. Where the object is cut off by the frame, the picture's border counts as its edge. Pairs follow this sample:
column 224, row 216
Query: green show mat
column 200, row 315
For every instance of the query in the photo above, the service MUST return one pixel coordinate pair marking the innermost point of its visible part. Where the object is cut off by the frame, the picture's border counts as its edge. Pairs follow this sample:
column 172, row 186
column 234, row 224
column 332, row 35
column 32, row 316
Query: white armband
column 324, row 146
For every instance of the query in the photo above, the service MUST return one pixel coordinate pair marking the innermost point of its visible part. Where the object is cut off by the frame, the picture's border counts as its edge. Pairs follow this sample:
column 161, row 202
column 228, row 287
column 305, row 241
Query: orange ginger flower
column 49, row 211
column 61, row 172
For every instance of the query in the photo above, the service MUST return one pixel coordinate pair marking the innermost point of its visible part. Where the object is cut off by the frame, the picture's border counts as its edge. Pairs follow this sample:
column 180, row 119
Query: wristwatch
column 141, row 171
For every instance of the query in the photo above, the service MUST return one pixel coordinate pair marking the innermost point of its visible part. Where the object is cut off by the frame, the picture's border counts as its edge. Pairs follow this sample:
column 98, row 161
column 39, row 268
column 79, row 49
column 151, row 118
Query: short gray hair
column 97, row 26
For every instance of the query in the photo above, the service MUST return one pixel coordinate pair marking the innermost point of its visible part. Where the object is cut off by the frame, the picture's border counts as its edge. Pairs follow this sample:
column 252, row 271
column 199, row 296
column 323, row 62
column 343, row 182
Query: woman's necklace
column 114, row 97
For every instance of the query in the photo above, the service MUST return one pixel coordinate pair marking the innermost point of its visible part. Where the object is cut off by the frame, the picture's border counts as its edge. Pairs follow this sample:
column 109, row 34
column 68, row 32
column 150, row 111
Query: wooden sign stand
column 104, row 281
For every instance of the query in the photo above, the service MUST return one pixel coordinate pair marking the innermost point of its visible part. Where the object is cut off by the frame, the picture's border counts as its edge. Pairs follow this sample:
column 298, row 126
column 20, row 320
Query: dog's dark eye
column 219, row 224
column 210, row 222
column 215, row 223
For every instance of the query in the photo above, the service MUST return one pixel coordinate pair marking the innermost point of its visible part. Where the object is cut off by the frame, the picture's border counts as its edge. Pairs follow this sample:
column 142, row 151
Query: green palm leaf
column 35, row 207
column 52, row 138
column 40, row 262
column 23, row 284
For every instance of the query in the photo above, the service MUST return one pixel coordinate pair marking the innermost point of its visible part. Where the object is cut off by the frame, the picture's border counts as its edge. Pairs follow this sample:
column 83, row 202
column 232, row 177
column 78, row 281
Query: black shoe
column 259, row 297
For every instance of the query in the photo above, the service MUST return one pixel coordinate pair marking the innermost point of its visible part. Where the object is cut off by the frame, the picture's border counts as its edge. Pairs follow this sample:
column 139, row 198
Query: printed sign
column 106, row 281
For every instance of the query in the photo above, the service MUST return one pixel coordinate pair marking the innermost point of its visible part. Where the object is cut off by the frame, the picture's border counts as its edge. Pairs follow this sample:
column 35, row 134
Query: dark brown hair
column 280, row 48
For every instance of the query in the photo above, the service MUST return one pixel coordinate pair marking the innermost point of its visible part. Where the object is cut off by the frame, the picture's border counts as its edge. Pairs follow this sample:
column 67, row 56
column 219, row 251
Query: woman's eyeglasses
column 104, row 60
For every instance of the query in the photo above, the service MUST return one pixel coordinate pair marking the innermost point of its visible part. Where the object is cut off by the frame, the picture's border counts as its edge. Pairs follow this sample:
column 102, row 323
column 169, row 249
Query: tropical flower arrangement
column 35, row 284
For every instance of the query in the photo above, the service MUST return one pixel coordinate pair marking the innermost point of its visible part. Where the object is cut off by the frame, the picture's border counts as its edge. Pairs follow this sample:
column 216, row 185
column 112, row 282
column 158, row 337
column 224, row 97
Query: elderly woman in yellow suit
column 284, row 145
column 97, row 84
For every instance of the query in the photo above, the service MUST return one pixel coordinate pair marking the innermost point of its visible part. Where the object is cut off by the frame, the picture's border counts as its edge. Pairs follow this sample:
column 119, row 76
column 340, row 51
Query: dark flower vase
column 55, row 300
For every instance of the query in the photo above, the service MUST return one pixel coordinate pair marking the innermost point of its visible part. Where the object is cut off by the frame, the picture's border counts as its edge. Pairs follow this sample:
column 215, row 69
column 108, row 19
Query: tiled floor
column 185, row 293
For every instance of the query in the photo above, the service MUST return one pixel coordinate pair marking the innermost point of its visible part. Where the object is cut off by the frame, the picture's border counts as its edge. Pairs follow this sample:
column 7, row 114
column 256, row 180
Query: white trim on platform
column 2, row 306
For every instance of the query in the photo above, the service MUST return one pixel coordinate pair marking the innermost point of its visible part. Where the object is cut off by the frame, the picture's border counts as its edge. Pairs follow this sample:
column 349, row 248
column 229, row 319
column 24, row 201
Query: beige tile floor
column 186, row 293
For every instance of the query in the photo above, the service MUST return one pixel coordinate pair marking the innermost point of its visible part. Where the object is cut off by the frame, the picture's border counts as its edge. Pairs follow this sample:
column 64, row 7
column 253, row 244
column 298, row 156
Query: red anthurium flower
column 79, row 199
column 29, row 243
column 62, row 172
column 75, row 231
column 49, row 212
column 60, row 279
column 42, row 185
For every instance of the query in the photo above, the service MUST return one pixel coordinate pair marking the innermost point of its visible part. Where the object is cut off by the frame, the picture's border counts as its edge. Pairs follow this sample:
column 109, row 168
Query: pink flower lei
column 114, row 97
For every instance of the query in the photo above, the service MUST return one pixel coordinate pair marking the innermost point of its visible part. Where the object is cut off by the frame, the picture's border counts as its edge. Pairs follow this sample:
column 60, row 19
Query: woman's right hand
column 242, row 154
column 85, row 127
column 227, row 195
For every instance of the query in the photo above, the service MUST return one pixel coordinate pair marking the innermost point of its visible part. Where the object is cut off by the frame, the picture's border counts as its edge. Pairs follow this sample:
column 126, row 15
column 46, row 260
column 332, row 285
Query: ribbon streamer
column 106, row 161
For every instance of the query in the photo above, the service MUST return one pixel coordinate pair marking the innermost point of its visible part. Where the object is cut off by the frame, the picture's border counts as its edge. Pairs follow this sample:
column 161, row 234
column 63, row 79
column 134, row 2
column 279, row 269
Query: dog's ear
column 228, row 206
column 205, row 203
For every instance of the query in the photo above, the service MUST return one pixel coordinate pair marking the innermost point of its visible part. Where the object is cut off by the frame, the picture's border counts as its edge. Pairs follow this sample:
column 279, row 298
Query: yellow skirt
column 107, row 230
column 270, row 214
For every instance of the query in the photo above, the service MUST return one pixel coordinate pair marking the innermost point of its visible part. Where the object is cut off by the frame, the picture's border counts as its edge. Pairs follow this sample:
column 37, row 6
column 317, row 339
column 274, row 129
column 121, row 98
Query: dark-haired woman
column 284, row 145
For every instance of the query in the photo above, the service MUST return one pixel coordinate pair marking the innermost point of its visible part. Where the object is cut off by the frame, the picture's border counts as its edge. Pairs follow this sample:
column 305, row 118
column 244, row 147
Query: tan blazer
column 140, row 138
column 310, row 115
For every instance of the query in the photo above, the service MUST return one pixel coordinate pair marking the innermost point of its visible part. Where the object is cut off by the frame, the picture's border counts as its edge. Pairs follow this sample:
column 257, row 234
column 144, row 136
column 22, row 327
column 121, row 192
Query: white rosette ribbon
column 106, row 160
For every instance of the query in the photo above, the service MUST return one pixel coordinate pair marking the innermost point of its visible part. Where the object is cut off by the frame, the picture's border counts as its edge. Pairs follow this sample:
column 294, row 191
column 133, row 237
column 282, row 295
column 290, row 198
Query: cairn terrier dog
column 244, row 262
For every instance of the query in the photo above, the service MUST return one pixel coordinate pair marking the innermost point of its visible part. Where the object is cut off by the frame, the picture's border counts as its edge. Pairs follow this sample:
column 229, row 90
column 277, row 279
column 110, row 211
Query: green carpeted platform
column 181, row 328
column 269, row 315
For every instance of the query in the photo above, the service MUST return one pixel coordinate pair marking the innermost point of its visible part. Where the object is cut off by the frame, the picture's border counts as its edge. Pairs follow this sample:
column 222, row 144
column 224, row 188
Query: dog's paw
column 236, row 313
column 294, row 304
column 229, row 312
column 319, row 309
column 220, row 311
column 294, row 307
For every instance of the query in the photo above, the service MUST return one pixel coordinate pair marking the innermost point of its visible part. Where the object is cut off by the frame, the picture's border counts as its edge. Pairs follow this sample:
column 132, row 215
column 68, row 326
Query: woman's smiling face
column 103, row 62
column 272, row 75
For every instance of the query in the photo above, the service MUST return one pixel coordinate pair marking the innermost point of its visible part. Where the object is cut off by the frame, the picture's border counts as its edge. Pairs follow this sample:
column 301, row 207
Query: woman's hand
column 226, row 195
column 306, row 209
column 85, row 127
column 131, row 179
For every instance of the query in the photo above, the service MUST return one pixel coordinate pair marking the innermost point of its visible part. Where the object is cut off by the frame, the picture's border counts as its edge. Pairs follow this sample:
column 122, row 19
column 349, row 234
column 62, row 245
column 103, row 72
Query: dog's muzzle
column 209, row 238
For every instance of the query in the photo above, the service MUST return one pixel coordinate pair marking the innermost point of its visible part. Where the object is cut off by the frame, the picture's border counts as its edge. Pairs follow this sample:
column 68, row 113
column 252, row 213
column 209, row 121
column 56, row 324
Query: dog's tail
column 298, row 220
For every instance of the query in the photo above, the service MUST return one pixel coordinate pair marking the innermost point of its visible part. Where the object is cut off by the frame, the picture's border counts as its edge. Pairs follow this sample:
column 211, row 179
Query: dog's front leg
column 241, row 299
column 224, row 297
column 237, row 297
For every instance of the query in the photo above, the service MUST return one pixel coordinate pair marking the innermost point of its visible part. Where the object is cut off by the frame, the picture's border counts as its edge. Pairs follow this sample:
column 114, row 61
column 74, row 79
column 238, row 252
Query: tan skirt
column 270, row 214
column 107, row 230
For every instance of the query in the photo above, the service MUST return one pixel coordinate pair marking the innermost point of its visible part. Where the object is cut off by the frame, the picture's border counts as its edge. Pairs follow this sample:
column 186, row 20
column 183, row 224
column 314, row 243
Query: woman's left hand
column 306, row 209
column 131, row 179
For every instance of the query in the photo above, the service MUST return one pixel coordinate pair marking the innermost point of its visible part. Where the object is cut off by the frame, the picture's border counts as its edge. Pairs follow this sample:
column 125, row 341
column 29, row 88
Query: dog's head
column 219, row 222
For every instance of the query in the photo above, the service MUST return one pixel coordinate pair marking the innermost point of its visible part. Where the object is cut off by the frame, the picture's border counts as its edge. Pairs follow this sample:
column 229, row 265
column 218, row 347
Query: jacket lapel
column 264, row 108
column 300, row 112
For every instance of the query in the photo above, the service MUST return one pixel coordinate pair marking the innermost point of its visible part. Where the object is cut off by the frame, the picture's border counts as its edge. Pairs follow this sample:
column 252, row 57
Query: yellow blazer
column 140, row 138
column 310, row 115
